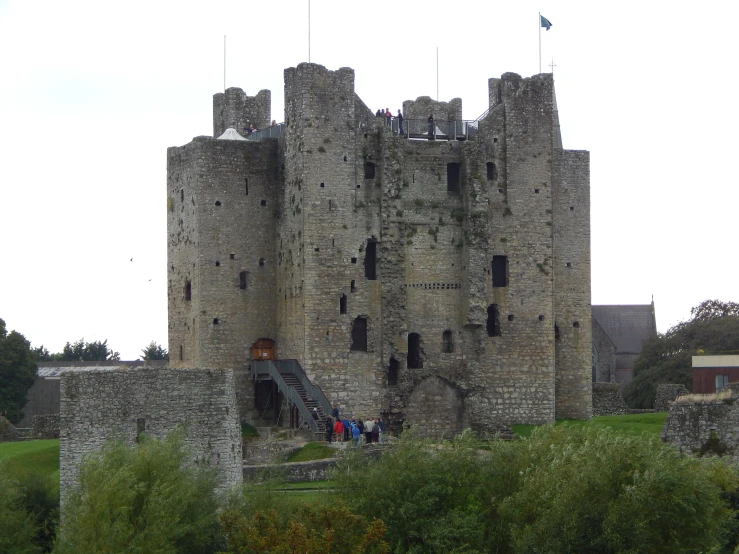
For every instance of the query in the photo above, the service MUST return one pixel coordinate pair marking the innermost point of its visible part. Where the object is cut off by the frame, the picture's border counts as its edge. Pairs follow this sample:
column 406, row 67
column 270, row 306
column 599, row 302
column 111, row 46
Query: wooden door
column 263, row 349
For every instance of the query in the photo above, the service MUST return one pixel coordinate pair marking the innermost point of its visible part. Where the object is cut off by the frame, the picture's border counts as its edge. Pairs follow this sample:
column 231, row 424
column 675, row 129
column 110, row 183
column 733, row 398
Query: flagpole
column 539, row 42
column 308, row 31
column 437, row 73
column 224, row 64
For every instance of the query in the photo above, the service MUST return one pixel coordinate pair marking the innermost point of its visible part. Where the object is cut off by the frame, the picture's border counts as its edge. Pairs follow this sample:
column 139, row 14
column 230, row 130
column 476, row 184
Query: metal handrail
column 314, row 391
column 273, row 131
column 443, row 129
column 290, row 393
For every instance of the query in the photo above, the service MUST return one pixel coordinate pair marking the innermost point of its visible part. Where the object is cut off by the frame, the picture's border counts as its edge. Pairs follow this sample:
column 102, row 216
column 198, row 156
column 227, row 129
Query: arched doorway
column 264, row 349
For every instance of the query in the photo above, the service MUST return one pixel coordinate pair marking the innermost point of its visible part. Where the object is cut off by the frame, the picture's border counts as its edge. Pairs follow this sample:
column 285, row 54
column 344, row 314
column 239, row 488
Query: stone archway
column 437, row 406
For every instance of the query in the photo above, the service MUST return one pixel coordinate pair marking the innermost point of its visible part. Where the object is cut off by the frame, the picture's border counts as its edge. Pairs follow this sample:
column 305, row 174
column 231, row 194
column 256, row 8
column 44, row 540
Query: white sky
column 92, row 94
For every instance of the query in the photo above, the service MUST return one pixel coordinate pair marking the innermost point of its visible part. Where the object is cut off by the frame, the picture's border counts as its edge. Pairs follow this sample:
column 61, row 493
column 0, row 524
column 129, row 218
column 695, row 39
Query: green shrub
column 141, row 499
column 568, row 488
column 590, row 489
column 17, row 526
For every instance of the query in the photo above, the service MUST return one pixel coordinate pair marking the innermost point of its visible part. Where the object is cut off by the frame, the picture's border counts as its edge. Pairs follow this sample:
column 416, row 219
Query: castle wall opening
column 493, row 322
column 415, row 358
column 359, row 335
column 392, row 372
column 453, row 178
column 500, row 271
column 447, row 342
column 370, row 260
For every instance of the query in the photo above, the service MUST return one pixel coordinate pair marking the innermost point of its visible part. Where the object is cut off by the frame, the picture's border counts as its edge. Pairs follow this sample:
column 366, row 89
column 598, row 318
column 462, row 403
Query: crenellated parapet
column 234, row 109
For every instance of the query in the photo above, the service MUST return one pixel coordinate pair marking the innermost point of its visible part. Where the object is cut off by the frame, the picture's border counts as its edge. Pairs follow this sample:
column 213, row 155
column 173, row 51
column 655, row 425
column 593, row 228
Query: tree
column 667, row 358
column 142, row 499
column 97, row 351
column 155, row 352
column 17, row 372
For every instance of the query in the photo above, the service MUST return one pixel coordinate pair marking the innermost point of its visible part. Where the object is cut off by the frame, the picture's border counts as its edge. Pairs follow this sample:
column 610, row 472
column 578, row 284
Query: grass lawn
column 312, row 451
column 635, row 424
column 22, row 458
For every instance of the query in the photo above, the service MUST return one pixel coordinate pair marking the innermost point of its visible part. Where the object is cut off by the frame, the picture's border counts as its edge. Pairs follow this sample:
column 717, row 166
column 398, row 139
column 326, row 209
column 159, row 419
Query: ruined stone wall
column 237, row 110
column 571, row 270
column 701, row 425
column 97, row 406
column 222, row 239
column 437, row 407
column 608, row 400
column 666, row 394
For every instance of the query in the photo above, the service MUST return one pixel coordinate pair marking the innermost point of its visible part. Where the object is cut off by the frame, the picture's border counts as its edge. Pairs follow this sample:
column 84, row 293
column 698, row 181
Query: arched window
column 415, row 360
column 447, row 342
column 188, row 290
column 369, row 170
column 342, row 304
column 359, row 335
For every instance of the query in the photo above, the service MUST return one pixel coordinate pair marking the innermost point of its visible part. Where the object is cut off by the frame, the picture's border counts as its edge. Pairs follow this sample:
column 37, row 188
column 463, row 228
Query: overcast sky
column 93, row 93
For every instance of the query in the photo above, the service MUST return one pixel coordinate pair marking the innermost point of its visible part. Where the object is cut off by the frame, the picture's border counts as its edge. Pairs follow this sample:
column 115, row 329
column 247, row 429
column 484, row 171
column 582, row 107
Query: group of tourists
column 251, row 129
column 354, row 429
column 389, row 118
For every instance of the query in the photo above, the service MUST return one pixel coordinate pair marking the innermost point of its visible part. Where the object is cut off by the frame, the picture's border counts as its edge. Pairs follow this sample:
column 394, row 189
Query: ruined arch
column 436, row 405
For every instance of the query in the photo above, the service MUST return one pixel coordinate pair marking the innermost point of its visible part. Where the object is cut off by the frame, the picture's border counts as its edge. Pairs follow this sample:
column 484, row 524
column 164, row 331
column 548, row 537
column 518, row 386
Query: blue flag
column 545, row 22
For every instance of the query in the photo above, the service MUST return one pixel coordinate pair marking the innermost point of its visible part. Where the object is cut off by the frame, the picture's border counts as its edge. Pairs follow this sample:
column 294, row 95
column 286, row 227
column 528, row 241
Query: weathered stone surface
column 666, row 394
column 97, row 406
column 711, row 426
column 299, row 216
column 45, row 426
column 608, row 400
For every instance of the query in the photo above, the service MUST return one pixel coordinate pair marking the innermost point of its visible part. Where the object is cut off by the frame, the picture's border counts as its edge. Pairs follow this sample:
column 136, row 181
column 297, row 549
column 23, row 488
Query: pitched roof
column 627, row 325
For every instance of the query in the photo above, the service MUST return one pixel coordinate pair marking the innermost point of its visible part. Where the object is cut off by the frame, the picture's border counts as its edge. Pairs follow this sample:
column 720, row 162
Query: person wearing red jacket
column 339, row 431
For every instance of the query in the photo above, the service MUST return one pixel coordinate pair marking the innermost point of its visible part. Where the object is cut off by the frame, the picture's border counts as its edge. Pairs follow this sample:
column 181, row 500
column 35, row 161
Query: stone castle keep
column 443, row 282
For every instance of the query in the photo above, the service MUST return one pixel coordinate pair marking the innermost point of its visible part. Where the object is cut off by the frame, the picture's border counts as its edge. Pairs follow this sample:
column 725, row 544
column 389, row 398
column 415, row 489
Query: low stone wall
column 45, row 426
column 666, row 394
column 608, row 400
column 295, row 472
column 8, row 432
column 704, row 426
column 269, row 450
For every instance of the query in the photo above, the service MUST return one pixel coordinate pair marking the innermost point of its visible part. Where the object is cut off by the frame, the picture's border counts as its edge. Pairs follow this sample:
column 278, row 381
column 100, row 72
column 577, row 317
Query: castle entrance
column 263, row 349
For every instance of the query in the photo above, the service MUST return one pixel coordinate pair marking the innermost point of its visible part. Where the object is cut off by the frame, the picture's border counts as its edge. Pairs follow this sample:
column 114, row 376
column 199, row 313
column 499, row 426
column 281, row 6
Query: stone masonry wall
column 571, row 270
column 237, row 110
column 97, row 406
column 608, row 400
column 695, row 426
column 666, row 394
column 45, row 426
column 222, row 239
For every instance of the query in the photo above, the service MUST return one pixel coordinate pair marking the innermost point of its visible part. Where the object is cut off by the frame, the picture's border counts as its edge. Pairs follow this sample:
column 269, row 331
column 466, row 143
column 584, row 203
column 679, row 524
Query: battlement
column 234, row 109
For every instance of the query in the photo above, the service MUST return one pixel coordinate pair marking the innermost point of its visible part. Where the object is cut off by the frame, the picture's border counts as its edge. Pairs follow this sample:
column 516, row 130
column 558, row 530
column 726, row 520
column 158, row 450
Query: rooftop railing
column 272, row 131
